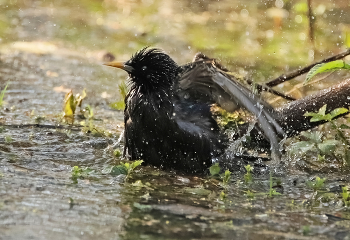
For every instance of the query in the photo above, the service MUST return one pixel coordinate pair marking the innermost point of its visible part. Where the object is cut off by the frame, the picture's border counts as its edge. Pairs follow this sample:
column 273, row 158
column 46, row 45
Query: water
column 50, row 47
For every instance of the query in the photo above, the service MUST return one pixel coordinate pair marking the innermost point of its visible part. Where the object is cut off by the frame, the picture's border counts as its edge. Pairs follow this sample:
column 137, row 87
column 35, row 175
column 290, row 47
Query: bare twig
column 260, row 88
column 286, row 77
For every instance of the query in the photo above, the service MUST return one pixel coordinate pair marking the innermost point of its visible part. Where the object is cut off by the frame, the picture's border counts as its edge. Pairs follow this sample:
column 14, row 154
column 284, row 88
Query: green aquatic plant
column 223, row 195
column 120, row 104
column 317, row 184
column 346, row 196
column 71, row 102
column 80, row 173
column 250, row 194
column 316, row 141
column 125, row 168
column 272, row 192
column 8, row 139
column 248, row 177
column 2, row 94
column 226, row 177
column 214, row 169
column 117, row 153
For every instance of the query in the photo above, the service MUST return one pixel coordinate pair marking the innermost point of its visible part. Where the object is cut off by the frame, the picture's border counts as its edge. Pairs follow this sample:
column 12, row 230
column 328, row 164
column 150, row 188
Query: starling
column 167, row 117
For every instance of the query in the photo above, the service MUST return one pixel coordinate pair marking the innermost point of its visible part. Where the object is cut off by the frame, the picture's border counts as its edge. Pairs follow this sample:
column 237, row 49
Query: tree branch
column 296, row 73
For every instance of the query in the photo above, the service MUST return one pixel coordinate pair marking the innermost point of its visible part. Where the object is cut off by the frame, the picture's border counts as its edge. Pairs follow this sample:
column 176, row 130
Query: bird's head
column 150, row 68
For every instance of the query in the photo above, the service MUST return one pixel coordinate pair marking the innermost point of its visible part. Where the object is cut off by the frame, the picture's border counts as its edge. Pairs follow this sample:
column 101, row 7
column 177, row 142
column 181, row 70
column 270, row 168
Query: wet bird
column 168, row 122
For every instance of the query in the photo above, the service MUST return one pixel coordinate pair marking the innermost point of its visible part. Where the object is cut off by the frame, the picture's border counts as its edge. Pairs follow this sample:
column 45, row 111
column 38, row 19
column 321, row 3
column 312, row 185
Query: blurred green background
column 259, row 39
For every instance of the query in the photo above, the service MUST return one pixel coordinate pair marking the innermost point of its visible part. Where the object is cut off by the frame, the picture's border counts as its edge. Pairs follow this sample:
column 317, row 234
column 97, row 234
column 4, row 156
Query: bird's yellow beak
column 115, row 64
column 120, row 65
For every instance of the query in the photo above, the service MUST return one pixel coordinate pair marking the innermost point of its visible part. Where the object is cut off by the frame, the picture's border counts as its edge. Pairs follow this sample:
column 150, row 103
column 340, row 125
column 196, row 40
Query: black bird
column 167, row 115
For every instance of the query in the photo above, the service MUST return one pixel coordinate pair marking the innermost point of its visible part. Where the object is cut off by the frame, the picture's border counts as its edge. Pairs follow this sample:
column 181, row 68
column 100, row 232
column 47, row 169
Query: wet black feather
column 168, row 122
column 162, row 128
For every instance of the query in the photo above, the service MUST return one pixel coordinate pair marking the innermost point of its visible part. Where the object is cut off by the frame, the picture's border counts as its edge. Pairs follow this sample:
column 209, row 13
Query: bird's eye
column 144, row 68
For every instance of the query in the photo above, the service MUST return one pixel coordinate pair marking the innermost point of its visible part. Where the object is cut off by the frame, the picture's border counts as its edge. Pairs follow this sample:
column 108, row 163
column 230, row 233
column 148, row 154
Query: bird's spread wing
column 206, row 82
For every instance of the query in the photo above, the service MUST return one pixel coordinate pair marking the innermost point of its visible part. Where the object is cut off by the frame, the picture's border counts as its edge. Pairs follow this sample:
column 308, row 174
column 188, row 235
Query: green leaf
column 315, row 137
column 344, row 126
column 119, row 105
column 249, row 168
column 227, row 177
column 119, row 170
column 117, row 153
column 322, row 110
column 223, row 195
column 248, row 177
column 328, row 146
column 320, row 115
column 249, row 194
column 338, row 111
column 69, row 105
column 302, row 147
column 2, row 94
column 135, row 164
column 316, row 184
column 214, row 169
column 123, row 89
column 325, row 67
